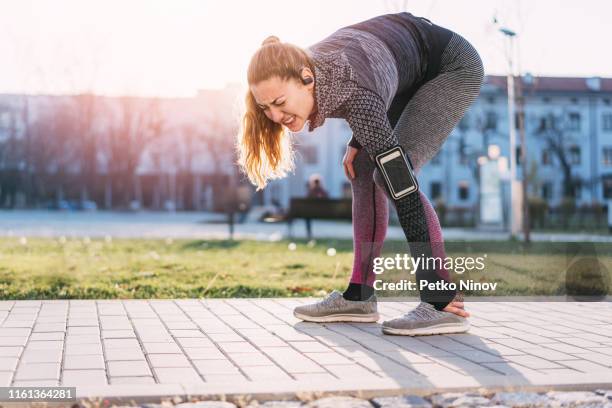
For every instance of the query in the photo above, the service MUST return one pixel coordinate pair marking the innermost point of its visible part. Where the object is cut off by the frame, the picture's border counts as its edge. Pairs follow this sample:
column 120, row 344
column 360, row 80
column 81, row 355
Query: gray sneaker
column 426, row 320
column 335, row 308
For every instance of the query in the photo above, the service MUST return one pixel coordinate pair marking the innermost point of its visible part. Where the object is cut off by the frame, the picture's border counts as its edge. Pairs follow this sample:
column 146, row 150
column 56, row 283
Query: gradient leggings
column 425, row 121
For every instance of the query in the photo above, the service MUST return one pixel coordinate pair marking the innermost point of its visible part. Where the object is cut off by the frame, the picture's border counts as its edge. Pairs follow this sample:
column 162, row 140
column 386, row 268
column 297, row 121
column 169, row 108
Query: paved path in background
column 256, row 346
column 202, row 225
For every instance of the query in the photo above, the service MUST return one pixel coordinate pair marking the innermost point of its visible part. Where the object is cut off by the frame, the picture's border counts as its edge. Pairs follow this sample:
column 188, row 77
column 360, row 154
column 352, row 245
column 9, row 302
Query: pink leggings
column 371, row 217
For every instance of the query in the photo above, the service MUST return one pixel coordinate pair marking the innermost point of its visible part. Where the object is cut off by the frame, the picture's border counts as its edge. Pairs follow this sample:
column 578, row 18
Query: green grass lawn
column 44, row 268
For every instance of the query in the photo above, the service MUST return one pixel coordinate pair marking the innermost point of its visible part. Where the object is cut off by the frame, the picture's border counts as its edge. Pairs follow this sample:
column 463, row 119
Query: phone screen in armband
column 397, row 173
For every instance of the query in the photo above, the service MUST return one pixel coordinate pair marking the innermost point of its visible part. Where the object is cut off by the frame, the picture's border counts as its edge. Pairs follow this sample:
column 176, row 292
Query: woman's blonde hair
column 264, row 150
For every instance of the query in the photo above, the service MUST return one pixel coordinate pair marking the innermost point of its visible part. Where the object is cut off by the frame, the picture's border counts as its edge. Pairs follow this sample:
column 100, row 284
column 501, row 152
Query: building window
column 309, row 153
column 547, row 190
column 574, row 100
column 547, row 122
column 578, row 189
column 574, row 121
column 437, row 159
column 518, row 155
column 546, row 157
column 464, row 123
column 464, row 190
column 607, row 187
column 435, row 190
column 546, row 99
column 606, row 120
column 574, row 155
column 607, row 156
column 490, row 121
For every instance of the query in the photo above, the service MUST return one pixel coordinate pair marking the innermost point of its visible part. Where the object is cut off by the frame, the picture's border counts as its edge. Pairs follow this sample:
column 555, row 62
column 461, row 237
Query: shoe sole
column 428, row 331
column 357, row 318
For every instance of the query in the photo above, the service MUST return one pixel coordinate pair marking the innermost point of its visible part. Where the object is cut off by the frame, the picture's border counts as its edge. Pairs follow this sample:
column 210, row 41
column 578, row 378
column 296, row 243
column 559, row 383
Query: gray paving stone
column 38, row 371
column 36, row 383
column 50, row 327
column 520, row 399
column 13, row 341
column 224, row 378
column 328, row 358
column 77, row 330
column 82, row 349
column 405, row 401
column 8, row 363
column 10, row 351
column 177, row 375
column 168, row 360
column 45, row 345
column 124, row 354
column 14, row 331
column 250, row 359
column 160, row 348
column 215, row 367
column 5, row 378
column 265, row 373
column 84, row 362
column 47, row 336
column 339, row 402
column 128, row 368
column 83, row 377
column 187, row 333
column 83, row 339
column 195, row 342
column 118, row 334
column 132, row 380
column 121, row 343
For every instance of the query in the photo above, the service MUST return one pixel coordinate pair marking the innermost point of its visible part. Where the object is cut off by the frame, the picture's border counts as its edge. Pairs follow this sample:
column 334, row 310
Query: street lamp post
column 515, row 186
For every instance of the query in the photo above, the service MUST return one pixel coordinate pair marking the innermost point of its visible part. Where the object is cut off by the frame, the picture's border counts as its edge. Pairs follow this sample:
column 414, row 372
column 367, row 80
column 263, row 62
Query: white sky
column 174, row 47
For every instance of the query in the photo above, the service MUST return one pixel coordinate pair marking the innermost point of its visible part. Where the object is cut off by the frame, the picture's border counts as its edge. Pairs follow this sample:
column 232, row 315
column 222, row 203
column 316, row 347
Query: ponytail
column 264, row 149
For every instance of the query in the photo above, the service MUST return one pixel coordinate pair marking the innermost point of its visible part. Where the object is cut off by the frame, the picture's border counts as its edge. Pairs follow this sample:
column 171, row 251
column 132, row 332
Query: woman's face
column 288, row 102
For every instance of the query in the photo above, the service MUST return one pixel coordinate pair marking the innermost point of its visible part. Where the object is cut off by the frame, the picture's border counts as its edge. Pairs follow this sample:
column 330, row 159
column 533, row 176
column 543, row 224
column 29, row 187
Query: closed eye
column 275, row 103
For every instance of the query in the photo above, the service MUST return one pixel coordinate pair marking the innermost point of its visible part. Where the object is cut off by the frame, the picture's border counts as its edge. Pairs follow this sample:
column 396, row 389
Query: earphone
column 307, row 80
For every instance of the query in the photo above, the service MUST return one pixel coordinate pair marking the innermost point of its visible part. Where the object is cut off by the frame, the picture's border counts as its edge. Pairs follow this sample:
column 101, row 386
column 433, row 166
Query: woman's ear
column 307, row 78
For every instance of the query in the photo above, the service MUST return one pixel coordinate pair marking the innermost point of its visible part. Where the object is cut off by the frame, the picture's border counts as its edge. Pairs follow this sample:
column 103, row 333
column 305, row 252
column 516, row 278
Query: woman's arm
column 367, row 117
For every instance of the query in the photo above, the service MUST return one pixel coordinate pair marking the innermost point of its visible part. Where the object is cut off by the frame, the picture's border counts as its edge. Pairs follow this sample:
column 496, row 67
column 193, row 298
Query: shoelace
column 328, row 300
column 423, row 311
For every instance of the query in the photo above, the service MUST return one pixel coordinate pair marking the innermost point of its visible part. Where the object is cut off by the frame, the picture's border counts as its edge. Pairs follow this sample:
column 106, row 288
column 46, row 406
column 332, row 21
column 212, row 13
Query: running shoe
column 426, row 320
column 335, row 308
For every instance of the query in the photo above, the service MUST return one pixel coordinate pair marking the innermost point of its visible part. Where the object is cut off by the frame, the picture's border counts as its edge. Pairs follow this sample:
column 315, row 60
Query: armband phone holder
column 397, row 172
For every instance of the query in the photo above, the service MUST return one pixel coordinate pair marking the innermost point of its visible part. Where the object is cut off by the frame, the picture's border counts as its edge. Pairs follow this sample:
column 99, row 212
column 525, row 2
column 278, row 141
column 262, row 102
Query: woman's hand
column 457, row 308
column 347, row 161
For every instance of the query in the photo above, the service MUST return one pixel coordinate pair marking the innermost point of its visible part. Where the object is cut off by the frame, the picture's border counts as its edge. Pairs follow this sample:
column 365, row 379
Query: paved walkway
column 256, row 346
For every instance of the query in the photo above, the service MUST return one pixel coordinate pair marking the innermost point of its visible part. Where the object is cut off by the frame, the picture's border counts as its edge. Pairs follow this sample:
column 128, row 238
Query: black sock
column 358, row 291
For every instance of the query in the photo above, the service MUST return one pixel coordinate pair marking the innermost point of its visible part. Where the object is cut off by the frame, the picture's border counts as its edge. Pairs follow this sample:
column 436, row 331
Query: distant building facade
column 575, row 111
column 189, row 165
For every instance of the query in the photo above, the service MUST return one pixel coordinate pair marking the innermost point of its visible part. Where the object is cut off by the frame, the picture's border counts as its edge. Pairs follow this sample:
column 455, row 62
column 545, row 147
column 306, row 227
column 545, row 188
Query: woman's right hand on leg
column 347, row 161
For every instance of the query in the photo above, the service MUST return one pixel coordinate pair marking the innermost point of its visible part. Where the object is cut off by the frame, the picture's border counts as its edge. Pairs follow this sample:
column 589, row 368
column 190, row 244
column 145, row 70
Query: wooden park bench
column 318, row 208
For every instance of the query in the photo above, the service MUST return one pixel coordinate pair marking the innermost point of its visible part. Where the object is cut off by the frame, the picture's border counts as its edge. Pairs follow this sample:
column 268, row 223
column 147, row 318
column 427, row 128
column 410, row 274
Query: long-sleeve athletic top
column 362, row 69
